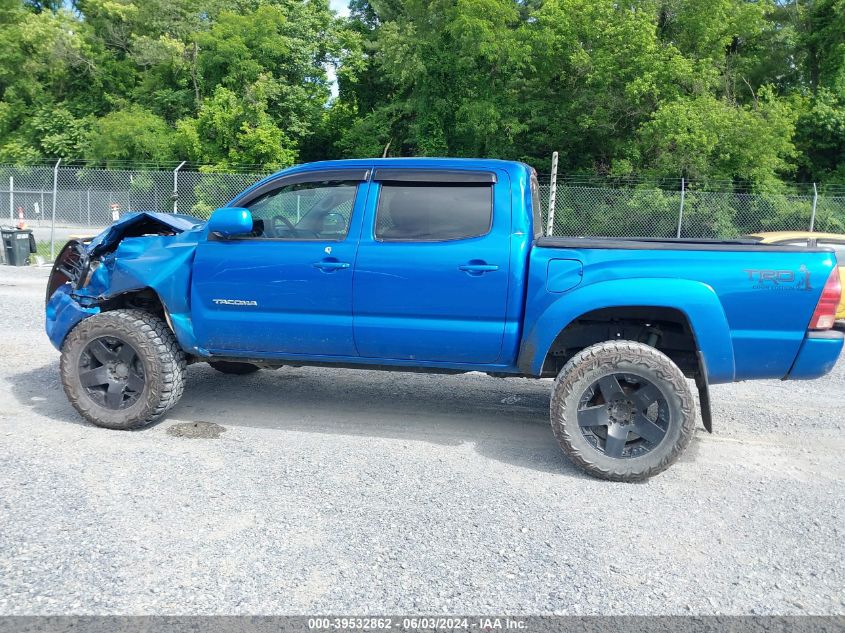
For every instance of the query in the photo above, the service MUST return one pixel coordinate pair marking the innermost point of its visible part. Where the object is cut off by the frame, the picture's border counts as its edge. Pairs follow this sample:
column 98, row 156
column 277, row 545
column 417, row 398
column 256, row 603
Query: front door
column 431, row 278
column 286, row 288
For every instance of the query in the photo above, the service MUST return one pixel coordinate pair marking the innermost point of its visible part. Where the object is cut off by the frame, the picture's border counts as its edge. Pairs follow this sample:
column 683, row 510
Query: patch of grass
column 43, row 249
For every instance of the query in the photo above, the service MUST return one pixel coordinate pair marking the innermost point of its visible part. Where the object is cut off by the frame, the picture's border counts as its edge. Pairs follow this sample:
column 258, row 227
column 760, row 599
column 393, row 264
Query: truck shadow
column 506, row 420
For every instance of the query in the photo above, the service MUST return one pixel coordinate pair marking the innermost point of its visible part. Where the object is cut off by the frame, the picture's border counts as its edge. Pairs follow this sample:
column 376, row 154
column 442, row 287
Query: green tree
column 601, row 71
column 821, row 137
column 132, row 134
column 46, row 64
column 285, row 46
column 749, row 91
column 452, row 67
column 231, row 130
column 708, row 138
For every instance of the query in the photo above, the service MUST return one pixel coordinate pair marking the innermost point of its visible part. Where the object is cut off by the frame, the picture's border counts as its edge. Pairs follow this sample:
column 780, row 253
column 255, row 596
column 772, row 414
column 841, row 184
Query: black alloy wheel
column 111, row 372
column 623, row 415
column 622, row 410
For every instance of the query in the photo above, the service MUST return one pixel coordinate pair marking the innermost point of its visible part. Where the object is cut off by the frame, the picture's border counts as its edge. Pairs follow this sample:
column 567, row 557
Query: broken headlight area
column 75, row 266
column 71, row 266
column 140, row 225
column 78, row 262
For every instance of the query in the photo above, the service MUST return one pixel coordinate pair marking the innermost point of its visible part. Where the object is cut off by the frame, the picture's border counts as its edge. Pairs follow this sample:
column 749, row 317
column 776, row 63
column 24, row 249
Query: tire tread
column 157, row 342
column 637, row 354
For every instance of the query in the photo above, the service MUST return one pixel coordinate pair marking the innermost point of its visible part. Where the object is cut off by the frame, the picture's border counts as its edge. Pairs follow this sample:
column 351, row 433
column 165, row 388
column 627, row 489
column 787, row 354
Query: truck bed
column 748, row 303
column 675, row 244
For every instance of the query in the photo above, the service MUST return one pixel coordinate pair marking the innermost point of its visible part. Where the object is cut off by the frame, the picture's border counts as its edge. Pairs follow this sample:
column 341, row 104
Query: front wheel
column 622, row 410
column 122, row 369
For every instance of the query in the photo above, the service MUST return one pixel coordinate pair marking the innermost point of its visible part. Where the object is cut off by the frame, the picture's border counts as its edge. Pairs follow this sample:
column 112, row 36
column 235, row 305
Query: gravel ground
column 369, row 492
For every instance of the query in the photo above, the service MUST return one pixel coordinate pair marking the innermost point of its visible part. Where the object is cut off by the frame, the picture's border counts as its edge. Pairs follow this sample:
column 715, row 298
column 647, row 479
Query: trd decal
column 763, row 279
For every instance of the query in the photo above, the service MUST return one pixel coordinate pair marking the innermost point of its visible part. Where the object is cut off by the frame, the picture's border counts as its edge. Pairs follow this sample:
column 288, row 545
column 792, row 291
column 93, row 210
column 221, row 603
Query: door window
column 304, row 211
column 422, row 212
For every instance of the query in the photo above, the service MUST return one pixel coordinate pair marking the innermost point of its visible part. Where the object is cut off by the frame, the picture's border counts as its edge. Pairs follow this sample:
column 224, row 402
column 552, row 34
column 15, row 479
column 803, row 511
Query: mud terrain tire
column 157, row 365
column 623, row 363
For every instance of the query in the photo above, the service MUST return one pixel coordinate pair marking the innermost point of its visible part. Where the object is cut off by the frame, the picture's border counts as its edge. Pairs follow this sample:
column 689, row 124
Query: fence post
column 176, row 186
column 53, row 223
column 88, row 206
column 681, row 212
column 11, row 200
column 552, row 196
column 815, row 202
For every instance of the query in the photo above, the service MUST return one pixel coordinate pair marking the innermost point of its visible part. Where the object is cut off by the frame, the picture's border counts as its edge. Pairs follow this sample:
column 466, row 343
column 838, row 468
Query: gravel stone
column 341, row 491
column 196, row 430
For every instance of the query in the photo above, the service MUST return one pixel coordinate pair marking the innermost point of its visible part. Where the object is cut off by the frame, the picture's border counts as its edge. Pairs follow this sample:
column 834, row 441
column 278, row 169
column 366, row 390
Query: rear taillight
column 825, row 313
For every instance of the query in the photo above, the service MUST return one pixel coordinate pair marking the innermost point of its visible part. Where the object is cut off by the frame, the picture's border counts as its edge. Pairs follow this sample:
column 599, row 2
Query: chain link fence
column 648, row 211
column 88, row 199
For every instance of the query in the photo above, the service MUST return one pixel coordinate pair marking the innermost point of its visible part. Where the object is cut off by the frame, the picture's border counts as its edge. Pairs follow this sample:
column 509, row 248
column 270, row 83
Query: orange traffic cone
column 21, row 221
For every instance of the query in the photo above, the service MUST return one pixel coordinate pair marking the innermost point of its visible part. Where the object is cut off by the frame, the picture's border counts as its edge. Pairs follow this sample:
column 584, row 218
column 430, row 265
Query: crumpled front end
column 142, row 252
column 63, row 313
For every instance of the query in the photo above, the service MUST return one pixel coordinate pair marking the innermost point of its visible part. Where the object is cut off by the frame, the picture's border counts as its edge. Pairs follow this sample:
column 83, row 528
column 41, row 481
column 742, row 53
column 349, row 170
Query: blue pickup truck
column 438, row 265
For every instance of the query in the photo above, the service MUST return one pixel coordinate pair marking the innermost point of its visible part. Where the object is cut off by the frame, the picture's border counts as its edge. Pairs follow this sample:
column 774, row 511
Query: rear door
column 287, row 287
column 431, row 277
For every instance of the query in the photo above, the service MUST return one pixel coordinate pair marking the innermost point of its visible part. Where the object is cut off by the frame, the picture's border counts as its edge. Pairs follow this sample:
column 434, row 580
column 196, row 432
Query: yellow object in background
column 807, row 238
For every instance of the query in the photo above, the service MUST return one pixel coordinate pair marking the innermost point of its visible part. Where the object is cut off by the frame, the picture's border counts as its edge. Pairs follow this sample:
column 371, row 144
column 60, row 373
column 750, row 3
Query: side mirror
column 230, row 221
column 334, row 220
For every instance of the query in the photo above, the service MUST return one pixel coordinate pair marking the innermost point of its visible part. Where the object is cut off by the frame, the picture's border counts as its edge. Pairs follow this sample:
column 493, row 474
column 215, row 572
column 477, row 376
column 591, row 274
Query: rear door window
column 423, row 212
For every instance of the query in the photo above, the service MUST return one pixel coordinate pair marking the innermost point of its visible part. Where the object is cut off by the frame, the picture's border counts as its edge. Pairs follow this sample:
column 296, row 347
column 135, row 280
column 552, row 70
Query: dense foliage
column 747, row 91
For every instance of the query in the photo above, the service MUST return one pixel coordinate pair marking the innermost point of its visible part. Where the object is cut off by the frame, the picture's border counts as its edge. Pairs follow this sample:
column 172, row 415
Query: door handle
column 329, row 266
column 478, row 269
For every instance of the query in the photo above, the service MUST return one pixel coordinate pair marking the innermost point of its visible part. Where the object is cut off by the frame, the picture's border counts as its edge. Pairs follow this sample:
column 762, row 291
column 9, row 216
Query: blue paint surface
column 816, row 358
column 416, row 304
column 63, row 313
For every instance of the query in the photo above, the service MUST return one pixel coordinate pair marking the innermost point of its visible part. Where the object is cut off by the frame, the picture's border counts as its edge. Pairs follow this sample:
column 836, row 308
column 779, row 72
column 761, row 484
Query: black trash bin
column 17, row 245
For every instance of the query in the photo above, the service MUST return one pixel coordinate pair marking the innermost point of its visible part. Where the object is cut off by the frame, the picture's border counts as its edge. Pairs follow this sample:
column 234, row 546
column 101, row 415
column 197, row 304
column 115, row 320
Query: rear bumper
column 817, row 356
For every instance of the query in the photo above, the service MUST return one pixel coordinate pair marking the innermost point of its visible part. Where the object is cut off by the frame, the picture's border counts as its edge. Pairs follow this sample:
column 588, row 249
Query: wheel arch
column 143, row 298
column 149, row 299
column 572, row 322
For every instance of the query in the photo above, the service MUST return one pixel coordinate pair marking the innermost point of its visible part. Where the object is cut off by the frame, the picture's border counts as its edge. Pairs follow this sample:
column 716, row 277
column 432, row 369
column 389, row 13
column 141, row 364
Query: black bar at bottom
column 482, row 623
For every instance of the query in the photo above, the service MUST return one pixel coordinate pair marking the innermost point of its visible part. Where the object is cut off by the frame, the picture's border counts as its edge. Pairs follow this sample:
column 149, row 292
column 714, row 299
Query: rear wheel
column 122, row 369
column 622, row 411
column 231, row 367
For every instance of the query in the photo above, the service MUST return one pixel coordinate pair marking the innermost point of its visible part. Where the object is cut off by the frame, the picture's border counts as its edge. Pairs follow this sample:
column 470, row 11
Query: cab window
column 422, row 212
column 304, row 211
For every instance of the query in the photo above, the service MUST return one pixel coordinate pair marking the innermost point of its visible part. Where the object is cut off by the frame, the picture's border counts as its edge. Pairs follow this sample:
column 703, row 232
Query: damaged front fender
column 63, row 313
column 140, row 251
column 141, row 224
